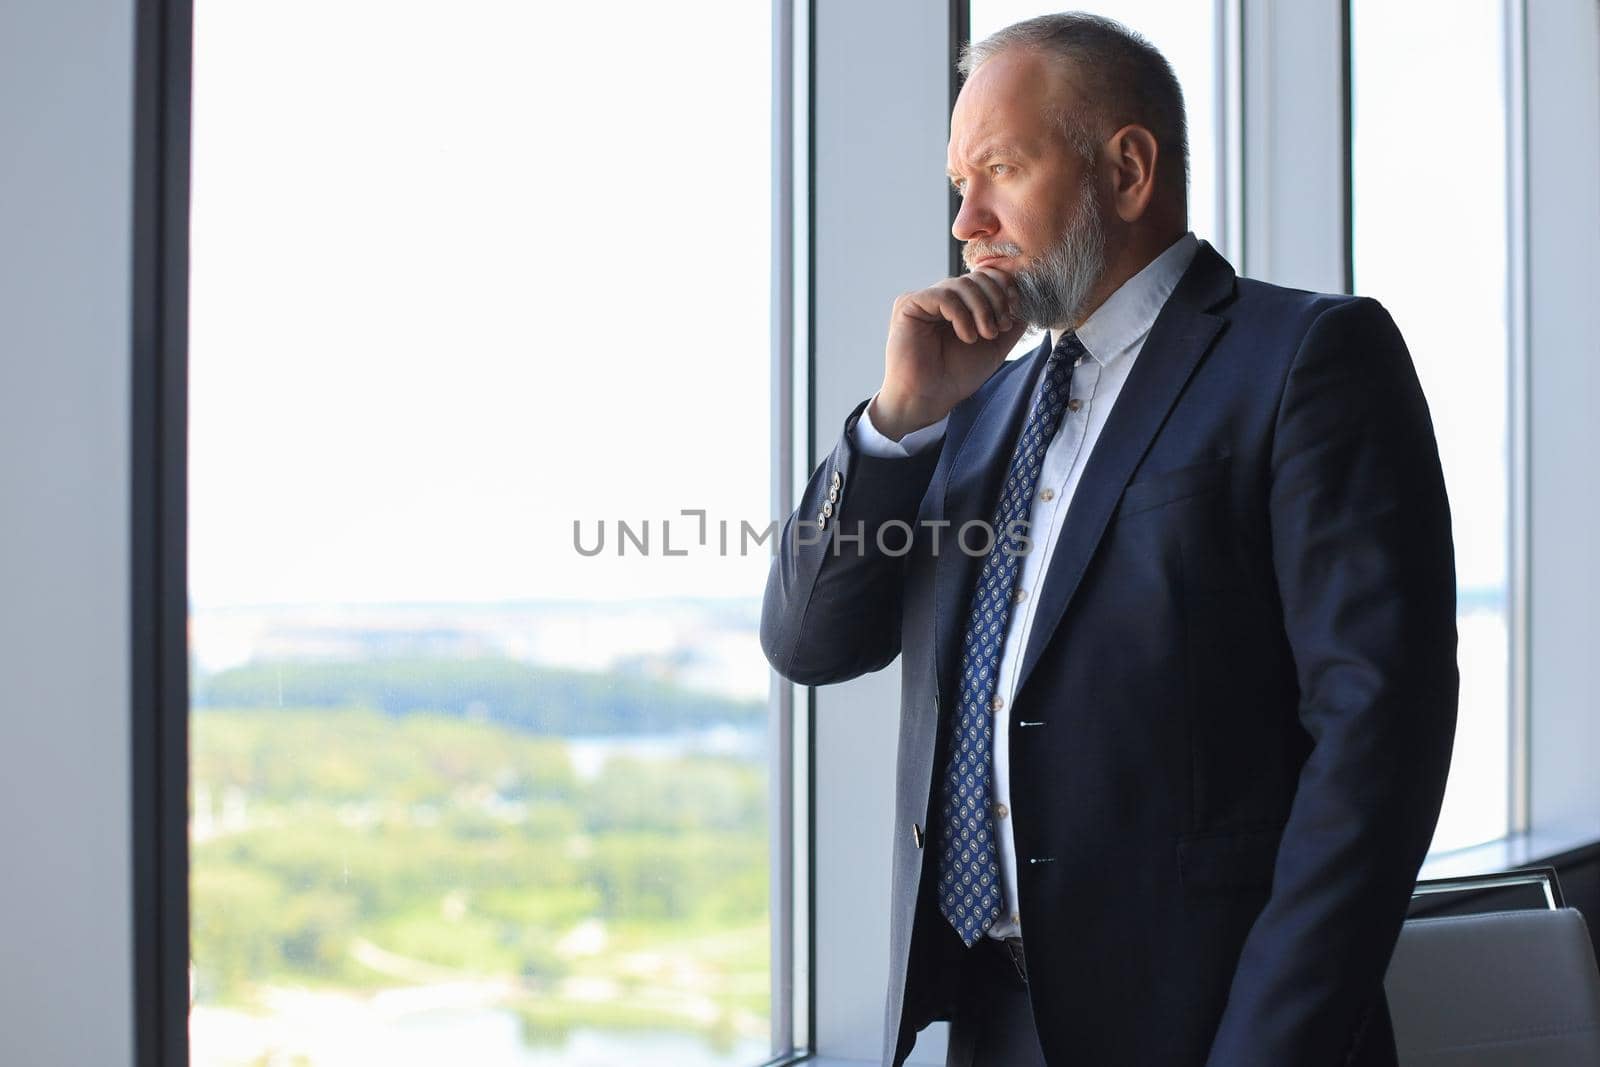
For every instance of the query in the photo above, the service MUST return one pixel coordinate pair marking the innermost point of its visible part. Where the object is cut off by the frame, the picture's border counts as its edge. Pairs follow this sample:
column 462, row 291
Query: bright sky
column 1431, row 243
column 464, row 274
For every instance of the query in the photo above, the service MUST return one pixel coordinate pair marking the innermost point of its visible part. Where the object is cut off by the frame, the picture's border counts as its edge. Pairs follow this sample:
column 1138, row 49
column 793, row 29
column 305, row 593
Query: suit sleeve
column 832, row 605
column 1364, row 560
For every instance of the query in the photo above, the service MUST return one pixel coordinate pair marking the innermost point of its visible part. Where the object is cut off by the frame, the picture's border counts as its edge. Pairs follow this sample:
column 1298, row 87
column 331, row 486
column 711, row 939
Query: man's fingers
column 994, row 290
column 977, row 303
column 1008, row 286
column 977, row 307
column 1005, row 290
column 957, row 312
column 935, row 305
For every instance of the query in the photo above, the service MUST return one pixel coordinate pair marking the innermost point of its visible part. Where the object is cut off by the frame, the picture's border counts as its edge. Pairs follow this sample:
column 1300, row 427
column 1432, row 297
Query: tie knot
column 1068, row 347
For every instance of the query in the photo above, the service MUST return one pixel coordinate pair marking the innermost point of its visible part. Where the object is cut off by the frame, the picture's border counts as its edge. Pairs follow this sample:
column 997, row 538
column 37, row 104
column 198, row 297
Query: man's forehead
column 1007, row 105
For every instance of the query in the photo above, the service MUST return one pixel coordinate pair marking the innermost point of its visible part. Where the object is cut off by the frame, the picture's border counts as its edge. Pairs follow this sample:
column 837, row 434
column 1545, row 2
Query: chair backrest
column 1496, row 989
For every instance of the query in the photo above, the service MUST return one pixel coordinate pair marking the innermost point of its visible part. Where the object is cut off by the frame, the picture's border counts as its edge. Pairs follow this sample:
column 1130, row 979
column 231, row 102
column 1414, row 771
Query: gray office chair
column 1497, row 989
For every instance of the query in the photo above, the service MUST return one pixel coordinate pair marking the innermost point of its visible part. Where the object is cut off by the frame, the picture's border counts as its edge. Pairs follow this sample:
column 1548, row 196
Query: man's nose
column 974, row 220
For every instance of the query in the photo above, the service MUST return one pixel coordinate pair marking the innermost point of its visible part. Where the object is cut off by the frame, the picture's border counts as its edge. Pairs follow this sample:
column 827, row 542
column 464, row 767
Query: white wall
column 881, row 218
column 1293, row 198
column 65, row 911
column 1564, row 394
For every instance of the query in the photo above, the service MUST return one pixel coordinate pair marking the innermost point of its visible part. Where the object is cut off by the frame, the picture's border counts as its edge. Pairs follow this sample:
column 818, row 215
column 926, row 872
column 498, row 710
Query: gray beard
column 1054, row 289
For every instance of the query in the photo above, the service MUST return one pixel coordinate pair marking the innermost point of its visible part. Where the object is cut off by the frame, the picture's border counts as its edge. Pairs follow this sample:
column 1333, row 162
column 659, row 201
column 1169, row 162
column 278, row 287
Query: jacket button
column 916, row 834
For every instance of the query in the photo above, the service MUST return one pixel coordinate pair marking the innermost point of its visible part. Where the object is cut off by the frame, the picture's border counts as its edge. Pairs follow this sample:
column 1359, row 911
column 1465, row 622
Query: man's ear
column 1133, row 153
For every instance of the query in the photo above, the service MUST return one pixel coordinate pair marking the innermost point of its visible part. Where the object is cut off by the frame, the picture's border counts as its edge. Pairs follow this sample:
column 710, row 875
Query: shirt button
column 1020, row 595
column 997, row 703
column 1074, row 404
column 1001, row 810
column 836, row 481
column 1047, row 494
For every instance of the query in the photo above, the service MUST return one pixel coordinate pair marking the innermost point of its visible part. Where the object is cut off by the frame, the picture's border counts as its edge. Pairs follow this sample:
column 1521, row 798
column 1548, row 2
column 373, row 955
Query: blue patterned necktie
column 969, row 867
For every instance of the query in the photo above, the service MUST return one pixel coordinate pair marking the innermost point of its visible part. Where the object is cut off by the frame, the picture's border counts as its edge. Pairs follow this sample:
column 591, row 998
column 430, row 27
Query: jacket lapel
column 1180, row 336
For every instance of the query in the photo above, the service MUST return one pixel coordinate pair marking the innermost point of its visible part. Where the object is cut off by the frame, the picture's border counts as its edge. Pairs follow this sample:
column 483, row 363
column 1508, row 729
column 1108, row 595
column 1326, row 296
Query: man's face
column 1030, row 206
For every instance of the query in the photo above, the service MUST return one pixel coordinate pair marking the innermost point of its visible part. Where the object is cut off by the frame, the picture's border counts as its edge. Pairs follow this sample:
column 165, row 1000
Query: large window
column 473, row 287
column 1429, row 193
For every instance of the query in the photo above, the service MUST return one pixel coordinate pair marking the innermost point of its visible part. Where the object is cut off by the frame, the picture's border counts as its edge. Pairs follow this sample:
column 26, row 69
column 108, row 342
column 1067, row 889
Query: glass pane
column 1428, row 83
column 462, row 793
column 1186, row 33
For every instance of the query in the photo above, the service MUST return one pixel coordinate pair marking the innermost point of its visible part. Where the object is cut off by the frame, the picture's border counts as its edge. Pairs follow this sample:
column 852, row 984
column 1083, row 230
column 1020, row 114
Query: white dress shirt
column 1112, row 336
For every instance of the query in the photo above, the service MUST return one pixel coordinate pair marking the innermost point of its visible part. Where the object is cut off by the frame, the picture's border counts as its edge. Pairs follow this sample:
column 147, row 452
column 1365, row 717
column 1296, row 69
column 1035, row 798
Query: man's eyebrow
column 987, row 153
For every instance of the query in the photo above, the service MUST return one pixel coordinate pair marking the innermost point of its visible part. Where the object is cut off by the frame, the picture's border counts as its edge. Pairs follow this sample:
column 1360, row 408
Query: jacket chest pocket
column 1229, row 859
column 1165, row 487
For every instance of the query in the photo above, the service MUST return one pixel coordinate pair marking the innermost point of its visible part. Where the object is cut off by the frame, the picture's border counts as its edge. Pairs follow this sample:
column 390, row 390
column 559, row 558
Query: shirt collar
column 1127, row 314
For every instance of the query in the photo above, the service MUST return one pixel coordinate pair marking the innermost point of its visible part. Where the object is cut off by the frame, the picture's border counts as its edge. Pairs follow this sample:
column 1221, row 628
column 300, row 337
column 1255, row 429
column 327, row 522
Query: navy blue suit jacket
column 1241, row 678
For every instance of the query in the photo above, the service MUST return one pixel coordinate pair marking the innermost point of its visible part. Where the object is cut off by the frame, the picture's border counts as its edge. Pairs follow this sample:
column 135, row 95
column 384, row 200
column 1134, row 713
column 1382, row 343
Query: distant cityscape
column 520, row 832
column 709, row 645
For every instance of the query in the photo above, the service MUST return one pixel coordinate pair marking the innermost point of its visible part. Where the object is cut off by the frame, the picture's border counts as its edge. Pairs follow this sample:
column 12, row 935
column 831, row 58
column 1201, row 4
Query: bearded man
column 1173, row 596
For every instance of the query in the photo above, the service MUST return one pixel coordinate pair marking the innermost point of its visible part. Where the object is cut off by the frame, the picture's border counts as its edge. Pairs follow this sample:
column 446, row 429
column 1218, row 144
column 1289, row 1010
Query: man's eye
column 959, row 185
column 993, row 167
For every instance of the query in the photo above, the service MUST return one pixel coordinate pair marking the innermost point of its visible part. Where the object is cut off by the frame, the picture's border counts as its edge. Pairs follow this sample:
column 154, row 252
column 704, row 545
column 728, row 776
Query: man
column 1174, row 599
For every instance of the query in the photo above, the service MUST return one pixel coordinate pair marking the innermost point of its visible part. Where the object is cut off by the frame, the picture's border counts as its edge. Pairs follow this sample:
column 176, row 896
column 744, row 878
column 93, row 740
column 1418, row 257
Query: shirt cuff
column 871, row 441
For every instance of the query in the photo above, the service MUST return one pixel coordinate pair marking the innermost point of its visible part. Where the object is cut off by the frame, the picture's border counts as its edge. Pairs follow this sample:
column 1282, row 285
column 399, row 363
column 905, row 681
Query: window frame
column 159, row 705
column 158, row 534
column 791, row 781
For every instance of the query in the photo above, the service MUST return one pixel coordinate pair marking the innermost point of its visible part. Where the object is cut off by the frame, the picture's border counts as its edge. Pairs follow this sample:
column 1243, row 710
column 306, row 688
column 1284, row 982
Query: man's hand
column 944, row 342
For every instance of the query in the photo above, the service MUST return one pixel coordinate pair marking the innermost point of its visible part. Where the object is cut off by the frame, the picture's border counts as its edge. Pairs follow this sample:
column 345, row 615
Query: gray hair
column 1120, row 75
